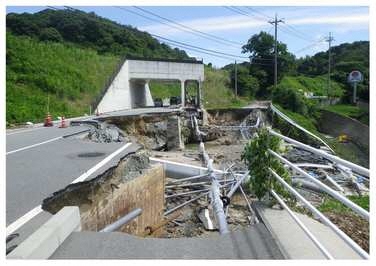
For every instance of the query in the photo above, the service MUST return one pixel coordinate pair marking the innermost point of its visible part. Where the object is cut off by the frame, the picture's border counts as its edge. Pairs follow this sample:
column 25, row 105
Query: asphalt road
column 35, row 172
column 27, row 137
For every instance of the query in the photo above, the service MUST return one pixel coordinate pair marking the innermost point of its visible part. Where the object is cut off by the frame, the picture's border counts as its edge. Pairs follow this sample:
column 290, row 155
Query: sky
column 304, row 29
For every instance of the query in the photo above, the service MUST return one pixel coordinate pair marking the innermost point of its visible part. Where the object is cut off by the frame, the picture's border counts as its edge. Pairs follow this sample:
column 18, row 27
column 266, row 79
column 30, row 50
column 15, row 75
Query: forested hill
column 89, row 30
column 345, row 58
column 67, row 56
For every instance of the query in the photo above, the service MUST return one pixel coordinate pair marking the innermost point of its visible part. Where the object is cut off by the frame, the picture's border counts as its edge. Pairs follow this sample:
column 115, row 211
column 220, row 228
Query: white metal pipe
column 236, row 186
column 334, row 183
column 214, row 193
column 122, row 221
column 322, row 217
column 314, row 165
column 249, row 205
column 289, row 120
column 188, row 178
column 303, row 227
column 186, row 193
column 218, row 208
column 356, row 208
column 185, row 203
column 356, row 168
column 198, row 183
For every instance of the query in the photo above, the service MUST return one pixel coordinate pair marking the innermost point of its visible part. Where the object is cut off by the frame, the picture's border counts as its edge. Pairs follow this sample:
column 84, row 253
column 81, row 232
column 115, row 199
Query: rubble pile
column 106, row 133
column 192, row 219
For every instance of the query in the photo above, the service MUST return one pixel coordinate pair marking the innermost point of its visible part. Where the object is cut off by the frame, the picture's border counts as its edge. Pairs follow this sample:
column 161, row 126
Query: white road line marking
column 34, row 145
column 22, row 220
column 34, row 212
column 22, row 131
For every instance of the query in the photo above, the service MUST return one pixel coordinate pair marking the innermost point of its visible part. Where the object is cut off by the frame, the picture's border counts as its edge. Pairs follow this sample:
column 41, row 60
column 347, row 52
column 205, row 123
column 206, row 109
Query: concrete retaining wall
column 335, row 125
column 145, row 192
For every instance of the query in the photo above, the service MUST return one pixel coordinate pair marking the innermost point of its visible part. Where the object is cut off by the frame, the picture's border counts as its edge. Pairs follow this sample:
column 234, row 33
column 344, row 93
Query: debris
column 106, row 133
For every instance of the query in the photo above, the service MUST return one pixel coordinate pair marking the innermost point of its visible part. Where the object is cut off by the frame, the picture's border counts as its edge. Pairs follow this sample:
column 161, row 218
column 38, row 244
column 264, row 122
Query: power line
column 259, row 12
column 242, row 12
column 293, row 31
column 202, row 34
column 197, row 47
column 309, row 46
column 204, row 50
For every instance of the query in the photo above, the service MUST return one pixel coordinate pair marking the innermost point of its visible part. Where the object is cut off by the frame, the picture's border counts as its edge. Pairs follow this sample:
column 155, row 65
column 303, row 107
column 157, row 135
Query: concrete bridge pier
column 140, row 93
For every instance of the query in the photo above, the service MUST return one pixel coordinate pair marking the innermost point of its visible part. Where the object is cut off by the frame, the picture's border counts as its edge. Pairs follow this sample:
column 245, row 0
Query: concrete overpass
column 130, row 87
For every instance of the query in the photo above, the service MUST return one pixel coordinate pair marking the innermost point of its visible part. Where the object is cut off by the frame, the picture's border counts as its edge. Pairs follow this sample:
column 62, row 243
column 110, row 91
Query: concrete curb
column 44, row 241
column 258, row 206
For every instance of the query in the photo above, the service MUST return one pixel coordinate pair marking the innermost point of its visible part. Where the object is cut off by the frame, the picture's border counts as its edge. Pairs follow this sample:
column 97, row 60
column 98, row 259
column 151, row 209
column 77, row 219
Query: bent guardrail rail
column 292, row 122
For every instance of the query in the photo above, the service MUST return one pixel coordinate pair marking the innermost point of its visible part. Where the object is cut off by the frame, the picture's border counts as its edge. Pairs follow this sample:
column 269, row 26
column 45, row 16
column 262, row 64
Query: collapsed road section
column 186, row 180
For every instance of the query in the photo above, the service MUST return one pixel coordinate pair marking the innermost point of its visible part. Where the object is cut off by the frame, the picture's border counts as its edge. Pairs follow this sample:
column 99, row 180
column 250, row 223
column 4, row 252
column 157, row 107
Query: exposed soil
column 353, row 225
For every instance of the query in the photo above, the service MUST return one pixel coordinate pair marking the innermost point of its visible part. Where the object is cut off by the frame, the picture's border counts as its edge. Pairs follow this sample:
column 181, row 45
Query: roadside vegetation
column 70, row 76
column 352, row 111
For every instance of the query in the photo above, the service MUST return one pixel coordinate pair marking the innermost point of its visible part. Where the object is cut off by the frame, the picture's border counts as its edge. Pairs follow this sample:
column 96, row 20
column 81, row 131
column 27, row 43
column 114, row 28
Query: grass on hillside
column 318, row 85
column 350, row 111
column 308, row 123
column 71, row 76
column 164, row 90
column 331, row 204
column 215, row 91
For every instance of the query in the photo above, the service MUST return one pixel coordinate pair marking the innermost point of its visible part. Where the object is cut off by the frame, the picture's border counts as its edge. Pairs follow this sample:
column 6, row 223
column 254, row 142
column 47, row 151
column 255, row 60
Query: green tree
column 50, row 34
column 261, row 52
column 248, row 85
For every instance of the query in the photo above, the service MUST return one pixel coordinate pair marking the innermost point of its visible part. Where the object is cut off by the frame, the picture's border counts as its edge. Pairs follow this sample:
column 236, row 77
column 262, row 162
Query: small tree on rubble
column 258, row 160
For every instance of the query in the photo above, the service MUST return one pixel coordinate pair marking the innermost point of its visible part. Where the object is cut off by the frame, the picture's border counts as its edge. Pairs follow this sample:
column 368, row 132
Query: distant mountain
column 89, row 31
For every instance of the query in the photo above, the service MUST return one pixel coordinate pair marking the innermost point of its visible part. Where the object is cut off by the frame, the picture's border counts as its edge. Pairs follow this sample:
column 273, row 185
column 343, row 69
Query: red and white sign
column 355, row 76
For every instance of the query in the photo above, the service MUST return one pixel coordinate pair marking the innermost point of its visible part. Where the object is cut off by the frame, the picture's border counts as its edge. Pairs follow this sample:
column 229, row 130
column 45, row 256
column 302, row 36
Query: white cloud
column 237, row 22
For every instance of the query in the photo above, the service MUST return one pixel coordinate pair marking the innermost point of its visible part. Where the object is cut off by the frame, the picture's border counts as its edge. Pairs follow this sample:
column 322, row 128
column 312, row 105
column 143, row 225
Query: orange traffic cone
column 63, row 124
column 48, row 121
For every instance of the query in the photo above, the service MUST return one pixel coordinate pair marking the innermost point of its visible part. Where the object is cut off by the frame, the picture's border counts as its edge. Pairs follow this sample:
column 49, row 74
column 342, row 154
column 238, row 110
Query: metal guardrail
column 356, row 168
column 122, row 221
column 303, row 227
column 322, row 217
column 324, row 187
column 356, row 208
column 292, row 122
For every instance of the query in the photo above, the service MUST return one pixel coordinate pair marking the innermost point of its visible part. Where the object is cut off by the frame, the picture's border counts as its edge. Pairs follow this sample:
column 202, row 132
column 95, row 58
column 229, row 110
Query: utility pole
column 329, row 40
column 236, row 81
column 275, row 23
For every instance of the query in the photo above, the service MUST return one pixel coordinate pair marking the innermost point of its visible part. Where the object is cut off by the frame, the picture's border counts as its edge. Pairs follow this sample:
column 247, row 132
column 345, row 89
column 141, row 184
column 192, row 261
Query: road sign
column 355, row 76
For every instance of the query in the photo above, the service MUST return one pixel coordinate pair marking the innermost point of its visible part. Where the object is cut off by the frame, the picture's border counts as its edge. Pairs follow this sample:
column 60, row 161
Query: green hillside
column 317, row 85
column 89, row 30
column 345, row 58
column 68, row 56
column 71, row 76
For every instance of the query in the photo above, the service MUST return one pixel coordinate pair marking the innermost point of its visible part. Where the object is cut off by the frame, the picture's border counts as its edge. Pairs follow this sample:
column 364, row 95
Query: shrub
column 258, row 160
column 290, row 99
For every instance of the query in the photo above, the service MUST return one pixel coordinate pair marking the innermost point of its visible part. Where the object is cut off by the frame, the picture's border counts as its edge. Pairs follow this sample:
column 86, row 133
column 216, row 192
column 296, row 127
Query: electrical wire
column 211, row 36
